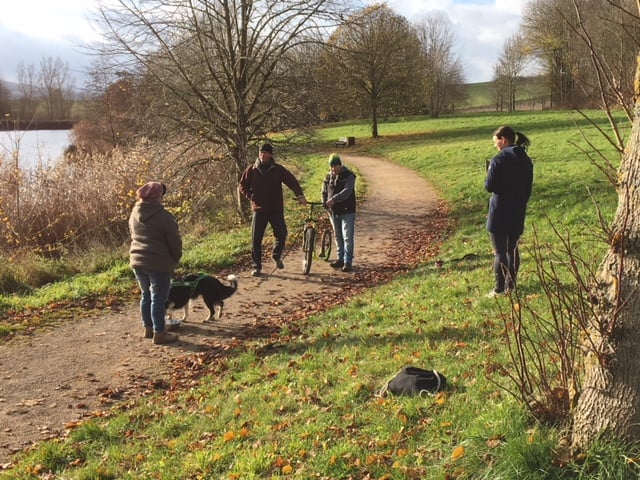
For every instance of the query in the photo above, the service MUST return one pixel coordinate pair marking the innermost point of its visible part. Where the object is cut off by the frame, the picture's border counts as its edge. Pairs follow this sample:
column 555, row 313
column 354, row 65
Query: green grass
column 305, row 406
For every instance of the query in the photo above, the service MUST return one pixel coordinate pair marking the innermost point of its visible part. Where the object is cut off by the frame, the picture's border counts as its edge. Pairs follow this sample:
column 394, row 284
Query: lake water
column 34, row 146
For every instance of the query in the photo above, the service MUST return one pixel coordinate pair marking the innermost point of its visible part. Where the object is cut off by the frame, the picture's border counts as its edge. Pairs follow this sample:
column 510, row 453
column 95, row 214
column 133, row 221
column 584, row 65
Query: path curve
column 69, row 372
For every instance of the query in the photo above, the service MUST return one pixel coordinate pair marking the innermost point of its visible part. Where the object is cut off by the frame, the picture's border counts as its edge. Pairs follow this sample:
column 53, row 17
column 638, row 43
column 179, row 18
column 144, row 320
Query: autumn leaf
column 72, row 425
column 531, row 436
column 230, row 435
column 440, row 399
column 458, row 452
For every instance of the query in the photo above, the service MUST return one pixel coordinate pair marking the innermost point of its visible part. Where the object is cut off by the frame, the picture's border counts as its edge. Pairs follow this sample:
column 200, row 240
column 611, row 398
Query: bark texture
column 609, row 402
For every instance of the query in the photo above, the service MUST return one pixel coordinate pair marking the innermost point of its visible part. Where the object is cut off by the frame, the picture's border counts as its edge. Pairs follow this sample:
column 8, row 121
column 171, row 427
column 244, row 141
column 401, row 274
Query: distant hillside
column 479, row 95
column 530, row 95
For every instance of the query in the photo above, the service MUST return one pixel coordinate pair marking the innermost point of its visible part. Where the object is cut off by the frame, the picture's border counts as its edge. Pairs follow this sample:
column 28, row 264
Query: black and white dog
column 192, row 286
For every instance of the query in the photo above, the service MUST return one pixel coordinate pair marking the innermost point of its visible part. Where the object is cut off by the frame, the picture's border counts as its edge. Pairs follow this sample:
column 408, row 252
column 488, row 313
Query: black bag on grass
column 416, row 381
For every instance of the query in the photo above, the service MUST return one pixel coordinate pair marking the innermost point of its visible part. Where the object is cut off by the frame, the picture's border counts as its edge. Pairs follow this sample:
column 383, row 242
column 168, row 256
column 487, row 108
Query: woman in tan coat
column 156, row 249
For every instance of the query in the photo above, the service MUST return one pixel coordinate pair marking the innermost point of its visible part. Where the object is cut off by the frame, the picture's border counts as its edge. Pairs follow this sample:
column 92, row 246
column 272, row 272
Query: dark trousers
column 506, row 261
column 259, row 223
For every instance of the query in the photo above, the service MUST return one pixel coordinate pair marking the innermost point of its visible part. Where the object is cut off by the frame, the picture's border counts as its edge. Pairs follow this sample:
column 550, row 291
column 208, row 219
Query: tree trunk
column 374, row 119
column 609, row 401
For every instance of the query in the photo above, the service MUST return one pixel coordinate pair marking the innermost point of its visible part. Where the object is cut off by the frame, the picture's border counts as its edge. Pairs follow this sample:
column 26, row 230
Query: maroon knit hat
column 151, row 191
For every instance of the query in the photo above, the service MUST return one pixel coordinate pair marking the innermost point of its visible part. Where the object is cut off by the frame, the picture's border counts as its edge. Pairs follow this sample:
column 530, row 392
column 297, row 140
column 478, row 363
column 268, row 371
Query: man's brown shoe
column 148, row 332
column 337, row 264
column 347, row 267
column 162, row 338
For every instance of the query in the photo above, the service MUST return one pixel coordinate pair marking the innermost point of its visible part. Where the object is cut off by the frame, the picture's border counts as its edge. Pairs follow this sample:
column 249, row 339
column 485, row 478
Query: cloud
column 20, row 48
column 480, row 28
column 31, row 30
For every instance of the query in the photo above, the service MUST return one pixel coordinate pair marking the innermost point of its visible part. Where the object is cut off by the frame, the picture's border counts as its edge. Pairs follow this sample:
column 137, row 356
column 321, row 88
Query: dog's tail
column 233, row 280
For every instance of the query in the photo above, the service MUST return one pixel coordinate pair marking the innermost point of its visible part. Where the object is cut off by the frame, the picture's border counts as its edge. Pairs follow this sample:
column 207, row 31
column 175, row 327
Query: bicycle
column 309, row 229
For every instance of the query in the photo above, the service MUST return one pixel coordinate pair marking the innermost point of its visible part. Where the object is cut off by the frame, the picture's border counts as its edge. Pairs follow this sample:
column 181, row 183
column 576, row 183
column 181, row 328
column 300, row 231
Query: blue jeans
column 154, row 288
column 259, row 223
column 343, row 229
column 506, row 262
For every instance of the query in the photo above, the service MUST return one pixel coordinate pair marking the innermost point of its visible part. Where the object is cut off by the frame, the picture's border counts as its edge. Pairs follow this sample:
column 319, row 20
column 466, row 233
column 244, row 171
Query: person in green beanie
column 339, row 194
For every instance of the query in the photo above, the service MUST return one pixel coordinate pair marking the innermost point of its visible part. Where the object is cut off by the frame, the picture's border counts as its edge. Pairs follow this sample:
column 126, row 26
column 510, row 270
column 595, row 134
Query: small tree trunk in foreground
column 609, row 401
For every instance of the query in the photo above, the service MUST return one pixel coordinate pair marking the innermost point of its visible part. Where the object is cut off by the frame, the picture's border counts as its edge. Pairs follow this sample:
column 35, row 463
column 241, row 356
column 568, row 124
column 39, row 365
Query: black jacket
column 509, row 179
column 341, row 189
column 262, row 184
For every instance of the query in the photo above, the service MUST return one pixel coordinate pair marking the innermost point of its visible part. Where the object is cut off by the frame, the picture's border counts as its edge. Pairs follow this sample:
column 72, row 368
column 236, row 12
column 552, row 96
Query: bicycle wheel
column 326, row 241
column 308, row 245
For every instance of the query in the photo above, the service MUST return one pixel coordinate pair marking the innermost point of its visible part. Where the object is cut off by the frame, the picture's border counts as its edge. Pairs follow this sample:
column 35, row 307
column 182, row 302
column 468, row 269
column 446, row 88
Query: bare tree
column 5, row 101
column 57, row 85
column 27, row 91
column 373, row 62
column 114, row 114
column 508, row 70
column 609, row 401
column 566, row 34
column 610, row 38
column 443, row 73
column 216, row 72
column 545, row 29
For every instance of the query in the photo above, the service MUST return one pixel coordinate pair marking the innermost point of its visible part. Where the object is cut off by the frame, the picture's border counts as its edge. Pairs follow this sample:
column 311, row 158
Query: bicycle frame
column 309, row 232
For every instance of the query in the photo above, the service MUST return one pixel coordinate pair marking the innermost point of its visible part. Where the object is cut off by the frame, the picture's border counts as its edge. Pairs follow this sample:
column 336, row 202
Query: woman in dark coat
column 509, row 179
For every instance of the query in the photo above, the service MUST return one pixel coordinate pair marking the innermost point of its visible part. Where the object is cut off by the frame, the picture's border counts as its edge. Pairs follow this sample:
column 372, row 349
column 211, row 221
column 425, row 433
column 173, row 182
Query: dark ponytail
column 522, row 140
column 513, row 137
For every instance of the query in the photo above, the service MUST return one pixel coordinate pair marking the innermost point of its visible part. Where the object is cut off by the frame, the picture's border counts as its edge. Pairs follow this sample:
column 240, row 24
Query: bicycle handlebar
column 313, row 206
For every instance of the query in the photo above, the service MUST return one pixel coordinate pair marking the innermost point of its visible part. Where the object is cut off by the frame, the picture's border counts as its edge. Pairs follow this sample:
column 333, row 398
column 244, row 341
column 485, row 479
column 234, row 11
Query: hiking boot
column 279, row 263
column 162, row 338
column 347, row 267
column 171, row 326
column 148, row 332
column 256, row 272
column 337, row 264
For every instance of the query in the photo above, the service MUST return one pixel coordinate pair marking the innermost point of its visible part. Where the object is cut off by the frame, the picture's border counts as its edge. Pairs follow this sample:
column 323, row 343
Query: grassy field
column 306, row 406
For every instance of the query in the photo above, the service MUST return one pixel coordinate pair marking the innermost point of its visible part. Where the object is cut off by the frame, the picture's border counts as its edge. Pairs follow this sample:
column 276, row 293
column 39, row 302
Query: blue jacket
column 509, row 179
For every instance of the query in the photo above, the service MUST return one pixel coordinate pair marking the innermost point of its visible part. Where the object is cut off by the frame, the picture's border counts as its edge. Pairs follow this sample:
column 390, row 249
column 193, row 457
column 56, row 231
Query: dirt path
column 74, row 370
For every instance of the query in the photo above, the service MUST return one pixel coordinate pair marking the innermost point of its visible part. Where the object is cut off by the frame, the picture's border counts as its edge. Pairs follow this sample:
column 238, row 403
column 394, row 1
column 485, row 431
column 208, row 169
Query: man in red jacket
column 261, row 183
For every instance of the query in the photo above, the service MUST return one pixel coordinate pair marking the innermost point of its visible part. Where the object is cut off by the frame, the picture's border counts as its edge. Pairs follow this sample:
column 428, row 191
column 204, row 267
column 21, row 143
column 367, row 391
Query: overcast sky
column 31, row 30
